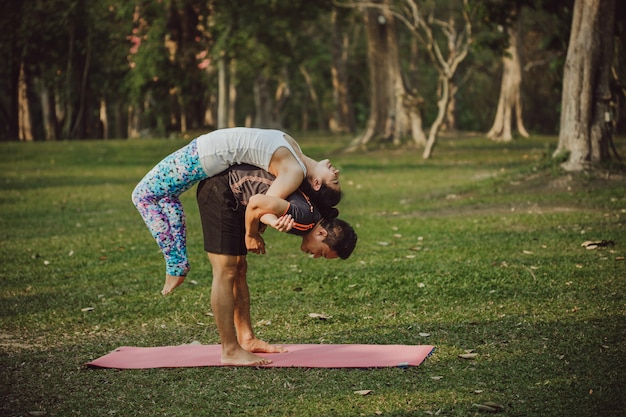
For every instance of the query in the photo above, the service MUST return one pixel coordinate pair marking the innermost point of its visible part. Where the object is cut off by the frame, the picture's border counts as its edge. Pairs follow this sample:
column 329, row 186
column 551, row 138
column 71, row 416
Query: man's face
column 312, row 243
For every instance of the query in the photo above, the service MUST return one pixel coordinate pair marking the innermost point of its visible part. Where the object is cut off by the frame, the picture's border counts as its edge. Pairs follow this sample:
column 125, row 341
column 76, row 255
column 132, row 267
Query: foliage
column 84, row 52
column 480, row 249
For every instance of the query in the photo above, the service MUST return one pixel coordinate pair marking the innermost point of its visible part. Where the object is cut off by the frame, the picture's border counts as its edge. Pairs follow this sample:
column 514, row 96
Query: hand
column 255, row 244
column 284, row 223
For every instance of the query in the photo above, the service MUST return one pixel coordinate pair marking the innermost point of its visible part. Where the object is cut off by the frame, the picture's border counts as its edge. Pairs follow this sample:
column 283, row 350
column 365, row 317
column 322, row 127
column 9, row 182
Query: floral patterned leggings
column 157, row 199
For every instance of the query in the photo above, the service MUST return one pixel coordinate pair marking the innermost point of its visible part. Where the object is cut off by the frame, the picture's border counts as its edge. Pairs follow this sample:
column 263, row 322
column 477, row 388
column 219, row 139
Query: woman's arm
column 288, row 173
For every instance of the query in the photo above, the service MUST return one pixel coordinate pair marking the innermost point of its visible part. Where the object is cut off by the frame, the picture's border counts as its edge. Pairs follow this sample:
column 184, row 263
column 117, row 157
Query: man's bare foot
column 244, row 358
column 172, row 281
column 259, row 346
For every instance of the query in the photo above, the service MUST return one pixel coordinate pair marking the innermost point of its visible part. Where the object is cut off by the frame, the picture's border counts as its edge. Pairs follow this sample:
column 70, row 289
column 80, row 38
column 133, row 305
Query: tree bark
column 586, row 129
column 509, row 103
column 25, row 122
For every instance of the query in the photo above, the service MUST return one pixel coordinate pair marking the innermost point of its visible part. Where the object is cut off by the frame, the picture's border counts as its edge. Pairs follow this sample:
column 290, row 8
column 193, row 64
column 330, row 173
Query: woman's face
column 328, row 174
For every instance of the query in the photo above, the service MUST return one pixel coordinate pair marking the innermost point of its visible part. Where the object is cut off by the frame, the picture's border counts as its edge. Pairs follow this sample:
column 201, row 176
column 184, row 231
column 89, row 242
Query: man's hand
column 255, row 244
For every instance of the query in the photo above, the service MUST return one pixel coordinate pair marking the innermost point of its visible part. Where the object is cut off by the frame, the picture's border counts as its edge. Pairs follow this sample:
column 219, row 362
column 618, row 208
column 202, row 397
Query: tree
column 394, row 110
column 344, row 109
column 586, row 129
column 509, row 102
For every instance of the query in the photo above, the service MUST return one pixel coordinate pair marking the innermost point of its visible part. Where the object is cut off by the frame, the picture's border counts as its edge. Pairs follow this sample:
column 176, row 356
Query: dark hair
column 341, row 236
column 324, row 197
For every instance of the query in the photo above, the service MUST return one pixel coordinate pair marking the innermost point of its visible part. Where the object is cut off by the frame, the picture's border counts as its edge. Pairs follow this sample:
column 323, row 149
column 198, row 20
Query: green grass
column 480, row 247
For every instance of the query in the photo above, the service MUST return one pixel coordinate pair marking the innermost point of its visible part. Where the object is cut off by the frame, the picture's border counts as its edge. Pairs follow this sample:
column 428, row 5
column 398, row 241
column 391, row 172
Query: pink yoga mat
column 304, row 356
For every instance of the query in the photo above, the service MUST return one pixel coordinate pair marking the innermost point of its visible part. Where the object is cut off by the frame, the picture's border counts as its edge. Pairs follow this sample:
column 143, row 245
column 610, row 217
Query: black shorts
column 222, row 217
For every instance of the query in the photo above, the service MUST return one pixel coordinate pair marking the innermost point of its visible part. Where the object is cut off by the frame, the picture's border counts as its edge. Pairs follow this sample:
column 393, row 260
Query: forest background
column 383, row 70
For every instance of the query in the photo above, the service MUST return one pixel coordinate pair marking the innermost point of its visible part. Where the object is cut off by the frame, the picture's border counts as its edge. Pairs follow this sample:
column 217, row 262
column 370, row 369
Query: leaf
column 486, row 408
column 320, row 316
column 424, row 334
column 594, row 244
column 363, row 392
column 489, row 407
column 436, row 378
column 491, row 404
column 468, row 355
column 87, row 309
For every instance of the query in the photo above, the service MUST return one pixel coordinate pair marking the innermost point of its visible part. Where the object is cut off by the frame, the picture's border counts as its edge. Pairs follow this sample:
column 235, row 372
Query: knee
column 234, row 268
column 137, row 196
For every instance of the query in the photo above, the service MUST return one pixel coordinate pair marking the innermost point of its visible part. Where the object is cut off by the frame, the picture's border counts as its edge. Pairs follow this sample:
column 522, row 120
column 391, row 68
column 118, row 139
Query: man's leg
column 225, row 269
column 243, row 323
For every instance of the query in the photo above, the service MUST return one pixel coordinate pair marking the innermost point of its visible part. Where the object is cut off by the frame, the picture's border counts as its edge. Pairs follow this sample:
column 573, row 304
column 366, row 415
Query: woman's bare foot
column 172, row 281
column 244, row 358
column 259, row 346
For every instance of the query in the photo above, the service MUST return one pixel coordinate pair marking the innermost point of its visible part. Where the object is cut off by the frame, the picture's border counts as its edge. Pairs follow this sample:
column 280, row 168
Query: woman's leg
column 157, row 200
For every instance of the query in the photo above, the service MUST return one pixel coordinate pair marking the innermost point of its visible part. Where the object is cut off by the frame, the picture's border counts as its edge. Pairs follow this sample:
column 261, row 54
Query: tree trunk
column 389, row 119
column 449, row 121
column 104, row 119
column 79, row 129
column 48, row 111
column 509, row 103
column 314, row 98
column 268, row 110
column 442, row 105
column 222, row 100
column 344, row 120
column 182, row 108
column 586, row 130
column 232, row 93
column 25, row 123
column 133, row 122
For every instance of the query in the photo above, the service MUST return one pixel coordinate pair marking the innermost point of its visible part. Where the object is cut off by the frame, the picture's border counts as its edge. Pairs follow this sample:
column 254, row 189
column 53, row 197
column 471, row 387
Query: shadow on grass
column 576, row 377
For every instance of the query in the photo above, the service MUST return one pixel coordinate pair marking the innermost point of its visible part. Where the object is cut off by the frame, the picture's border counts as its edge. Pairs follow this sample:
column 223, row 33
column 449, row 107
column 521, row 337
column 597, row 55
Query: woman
column 157, row 194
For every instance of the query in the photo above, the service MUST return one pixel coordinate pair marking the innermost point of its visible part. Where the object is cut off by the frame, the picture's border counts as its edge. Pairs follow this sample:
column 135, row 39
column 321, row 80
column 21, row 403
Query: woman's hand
column 284, row 223
column 255, row 244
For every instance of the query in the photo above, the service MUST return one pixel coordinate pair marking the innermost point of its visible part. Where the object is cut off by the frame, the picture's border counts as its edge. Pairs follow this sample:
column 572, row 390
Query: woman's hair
column 325, row 197
column 341, row 236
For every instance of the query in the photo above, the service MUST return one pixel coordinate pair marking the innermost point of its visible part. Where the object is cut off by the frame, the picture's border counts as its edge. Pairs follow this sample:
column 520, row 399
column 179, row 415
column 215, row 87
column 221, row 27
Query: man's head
column 333, row 238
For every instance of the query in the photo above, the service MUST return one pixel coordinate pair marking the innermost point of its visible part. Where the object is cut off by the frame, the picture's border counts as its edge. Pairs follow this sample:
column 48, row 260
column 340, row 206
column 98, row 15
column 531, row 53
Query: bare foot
column 172, row 281
column 259, row 346
column 244, row 358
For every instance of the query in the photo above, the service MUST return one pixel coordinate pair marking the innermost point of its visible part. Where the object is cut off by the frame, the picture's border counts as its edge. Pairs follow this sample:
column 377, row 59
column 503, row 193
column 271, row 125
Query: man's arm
column 268, row 209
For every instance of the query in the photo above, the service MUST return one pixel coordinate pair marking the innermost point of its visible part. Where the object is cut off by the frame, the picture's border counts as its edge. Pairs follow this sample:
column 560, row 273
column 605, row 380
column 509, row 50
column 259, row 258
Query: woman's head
column 323, row 196
column 322, row 184
column 324, row 173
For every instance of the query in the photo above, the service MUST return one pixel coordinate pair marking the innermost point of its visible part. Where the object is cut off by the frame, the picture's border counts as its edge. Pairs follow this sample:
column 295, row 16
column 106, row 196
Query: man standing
column 223, row 217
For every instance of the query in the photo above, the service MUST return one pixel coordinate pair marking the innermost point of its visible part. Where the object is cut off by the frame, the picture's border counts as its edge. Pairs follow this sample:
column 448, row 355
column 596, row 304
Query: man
column 223, row 218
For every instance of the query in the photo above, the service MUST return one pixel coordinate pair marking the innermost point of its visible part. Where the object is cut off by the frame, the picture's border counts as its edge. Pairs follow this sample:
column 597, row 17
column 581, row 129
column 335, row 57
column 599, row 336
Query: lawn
column 478, row 249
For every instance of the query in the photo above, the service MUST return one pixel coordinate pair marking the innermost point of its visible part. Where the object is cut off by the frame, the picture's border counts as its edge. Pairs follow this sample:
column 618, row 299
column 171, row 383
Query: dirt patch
column 9, row 342
column 492, row 210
